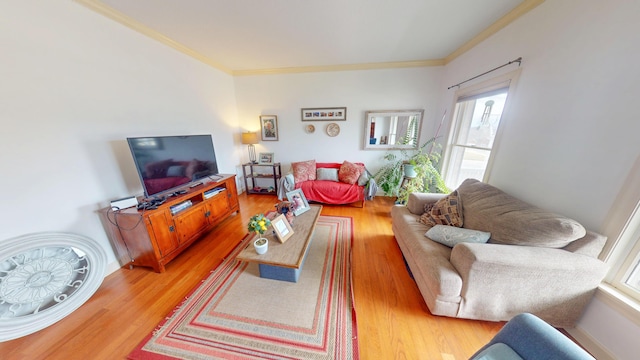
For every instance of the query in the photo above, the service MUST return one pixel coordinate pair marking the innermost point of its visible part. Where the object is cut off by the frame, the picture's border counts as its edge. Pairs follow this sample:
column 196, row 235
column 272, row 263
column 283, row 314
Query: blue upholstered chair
column 528, row 337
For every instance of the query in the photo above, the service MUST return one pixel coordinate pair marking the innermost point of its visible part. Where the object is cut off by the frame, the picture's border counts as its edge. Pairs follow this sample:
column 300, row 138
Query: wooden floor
column 393, row 320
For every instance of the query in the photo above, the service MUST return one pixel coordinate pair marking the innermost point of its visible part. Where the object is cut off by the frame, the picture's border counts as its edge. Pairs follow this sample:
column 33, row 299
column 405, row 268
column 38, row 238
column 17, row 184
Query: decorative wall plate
column 310, row 128
column 45, row 277
column 333, row 129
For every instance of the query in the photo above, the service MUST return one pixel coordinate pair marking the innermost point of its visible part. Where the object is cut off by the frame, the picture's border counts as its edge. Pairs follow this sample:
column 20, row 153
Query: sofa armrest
column 500, row 281
column 417, row 201
column 532, row 338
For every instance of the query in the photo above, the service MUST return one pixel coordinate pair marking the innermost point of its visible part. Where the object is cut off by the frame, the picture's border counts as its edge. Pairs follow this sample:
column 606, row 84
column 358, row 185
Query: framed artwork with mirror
column 392, row 129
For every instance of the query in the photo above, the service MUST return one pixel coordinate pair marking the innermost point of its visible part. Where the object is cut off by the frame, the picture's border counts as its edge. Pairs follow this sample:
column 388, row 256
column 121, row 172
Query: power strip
column 124, row 203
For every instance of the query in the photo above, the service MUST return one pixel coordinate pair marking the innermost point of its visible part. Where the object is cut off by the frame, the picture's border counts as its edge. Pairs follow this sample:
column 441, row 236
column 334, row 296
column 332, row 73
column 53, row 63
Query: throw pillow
column 451, row 235
column 446, row 211
column 327, row 174
column 364, row 178
column 349, row 172
column 304, row 170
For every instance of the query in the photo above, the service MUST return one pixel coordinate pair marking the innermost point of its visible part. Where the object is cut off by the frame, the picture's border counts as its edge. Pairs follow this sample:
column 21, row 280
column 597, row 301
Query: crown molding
column 101, row 8
column 507, row 19
column 113, row 14
column 346, row 67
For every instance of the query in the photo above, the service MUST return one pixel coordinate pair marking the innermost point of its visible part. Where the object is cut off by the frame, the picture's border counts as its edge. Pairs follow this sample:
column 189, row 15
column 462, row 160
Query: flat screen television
column 165, row 163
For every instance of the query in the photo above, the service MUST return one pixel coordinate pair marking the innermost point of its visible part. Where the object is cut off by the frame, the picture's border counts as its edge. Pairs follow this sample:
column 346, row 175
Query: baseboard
column 112, row 267
column 591, row 344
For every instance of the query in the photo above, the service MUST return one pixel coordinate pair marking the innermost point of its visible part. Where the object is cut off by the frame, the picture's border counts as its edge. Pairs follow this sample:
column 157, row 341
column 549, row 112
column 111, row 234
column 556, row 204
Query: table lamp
column 250, row 138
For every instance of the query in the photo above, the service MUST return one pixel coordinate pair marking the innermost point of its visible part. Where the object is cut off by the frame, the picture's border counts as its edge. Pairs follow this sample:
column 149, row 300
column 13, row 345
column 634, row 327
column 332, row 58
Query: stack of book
column 212, row 192
column 179, row 207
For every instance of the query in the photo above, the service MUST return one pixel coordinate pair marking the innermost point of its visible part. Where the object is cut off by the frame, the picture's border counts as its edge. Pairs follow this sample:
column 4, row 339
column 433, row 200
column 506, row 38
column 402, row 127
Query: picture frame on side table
column 269, row 127
column 300, row 203
column 324, row 114
column 265, row 159
column 282, row 228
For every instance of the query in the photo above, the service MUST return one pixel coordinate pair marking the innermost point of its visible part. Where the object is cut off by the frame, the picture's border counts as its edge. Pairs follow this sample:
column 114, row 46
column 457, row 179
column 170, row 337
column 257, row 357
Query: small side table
column 267, row 172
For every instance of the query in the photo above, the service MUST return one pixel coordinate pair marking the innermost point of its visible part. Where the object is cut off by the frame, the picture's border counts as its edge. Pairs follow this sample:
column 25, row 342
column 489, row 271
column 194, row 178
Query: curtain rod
column 518, row 60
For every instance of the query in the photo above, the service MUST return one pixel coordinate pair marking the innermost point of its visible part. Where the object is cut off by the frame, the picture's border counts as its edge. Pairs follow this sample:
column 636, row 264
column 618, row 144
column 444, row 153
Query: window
column 631, row 279
column 474, row 129
column 622, row 251
column 627, row 276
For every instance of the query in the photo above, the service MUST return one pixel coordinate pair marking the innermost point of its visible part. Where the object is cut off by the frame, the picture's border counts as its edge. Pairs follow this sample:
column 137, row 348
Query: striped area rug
column 235, row 314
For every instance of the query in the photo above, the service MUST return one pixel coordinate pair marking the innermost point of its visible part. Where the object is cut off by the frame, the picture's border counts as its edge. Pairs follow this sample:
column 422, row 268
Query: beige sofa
column 535, row 261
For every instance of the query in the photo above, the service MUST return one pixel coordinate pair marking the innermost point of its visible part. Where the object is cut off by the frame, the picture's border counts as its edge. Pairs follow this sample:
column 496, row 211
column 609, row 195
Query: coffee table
column 284, row 261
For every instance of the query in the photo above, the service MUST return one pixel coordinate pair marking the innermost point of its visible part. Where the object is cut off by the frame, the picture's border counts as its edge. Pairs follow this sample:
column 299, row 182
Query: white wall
column 572, row 134
column 73, row 86
column 359, row 91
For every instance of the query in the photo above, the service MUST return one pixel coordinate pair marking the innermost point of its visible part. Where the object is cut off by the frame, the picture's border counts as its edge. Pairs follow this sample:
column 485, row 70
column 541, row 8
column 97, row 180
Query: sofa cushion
column 331, row 192
column 350, row 172
column 446, row 211
column 304, row 170
column 327, row 174
column 451, row 235
column 513, row 221
column 364, row 178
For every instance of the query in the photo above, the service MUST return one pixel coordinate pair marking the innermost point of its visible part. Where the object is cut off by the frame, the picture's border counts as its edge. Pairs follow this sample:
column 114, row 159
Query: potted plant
column 426, row 176
column 259, row 224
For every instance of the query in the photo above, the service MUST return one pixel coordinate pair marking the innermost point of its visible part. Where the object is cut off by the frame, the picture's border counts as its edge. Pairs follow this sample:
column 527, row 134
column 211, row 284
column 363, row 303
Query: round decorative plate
column 310, row 128
column 333, row 129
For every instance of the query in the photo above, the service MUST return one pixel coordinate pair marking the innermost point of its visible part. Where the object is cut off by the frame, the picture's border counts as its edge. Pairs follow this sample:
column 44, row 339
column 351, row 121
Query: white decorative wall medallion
column 45, row 277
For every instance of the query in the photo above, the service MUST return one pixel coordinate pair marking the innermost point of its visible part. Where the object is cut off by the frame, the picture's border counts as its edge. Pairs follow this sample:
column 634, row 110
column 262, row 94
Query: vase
column 261, row 245
column 409, row 171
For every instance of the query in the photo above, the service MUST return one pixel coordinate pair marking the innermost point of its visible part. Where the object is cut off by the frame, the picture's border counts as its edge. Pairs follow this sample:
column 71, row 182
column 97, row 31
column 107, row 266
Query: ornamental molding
column 44, row 277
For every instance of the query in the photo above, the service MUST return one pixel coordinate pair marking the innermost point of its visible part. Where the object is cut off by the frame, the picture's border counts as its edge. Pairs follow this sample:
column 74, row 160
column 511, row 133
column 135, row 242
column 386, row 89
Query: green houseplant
column 427, row 175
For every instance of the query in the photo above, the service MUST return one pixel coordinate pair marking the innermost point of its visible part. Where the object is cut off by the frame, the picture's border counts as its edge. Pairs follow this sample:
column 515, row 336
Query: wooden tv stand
column 152, row 238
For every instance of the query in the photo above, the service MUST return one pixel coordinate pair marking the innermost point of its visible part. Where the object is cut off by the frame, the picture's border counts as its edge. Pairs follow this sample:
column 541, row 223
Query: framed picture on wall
column 324, row 114
column 269, row 127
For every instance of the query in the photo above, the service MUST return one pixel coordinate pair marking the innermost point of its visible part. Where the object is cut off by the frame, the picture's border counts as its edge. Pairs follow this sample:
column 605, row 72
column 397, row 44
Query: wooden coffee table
column 284, row 261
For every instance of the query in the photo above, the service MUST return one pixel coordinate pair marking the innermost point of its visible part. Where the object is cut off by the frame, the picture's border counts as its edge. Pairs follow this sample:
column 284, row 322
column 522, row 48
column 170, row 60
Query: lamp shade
column 249, row 138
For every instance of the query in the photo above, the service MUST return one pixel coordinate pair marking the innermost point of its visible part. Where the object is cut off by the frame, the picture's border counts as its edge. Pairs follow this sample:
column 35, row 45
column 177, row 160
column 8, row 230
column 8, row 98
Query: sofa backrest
column 333, row 165
column 513, row 221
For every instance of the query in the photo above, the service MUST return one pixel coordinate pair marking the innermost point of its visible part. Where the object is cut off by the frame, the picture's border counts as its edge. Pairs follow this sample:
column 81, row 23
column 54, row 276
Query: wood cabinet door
column 191, row 223
column 217, row 207
column 232, row 194
column 164, row 232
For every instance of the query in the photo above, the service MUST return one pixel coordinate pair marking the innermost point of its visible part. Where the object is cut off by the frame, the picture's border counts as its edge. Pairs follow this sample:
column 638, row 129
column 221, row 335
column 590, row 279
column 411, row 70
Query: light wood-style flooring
column 393, row 320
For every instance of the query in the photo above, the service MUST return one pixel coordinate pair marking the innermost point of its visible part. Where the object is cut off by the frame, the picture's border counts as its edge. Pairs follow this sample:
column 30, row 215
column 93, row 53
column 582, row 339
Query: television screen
column 168, row 162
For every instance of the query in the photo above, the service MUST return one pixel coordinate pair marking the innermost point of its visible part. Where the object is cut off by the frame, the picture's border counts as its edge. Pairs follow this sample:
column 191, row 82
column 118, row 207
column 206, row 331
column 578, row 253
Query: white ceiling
column 256, row 35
